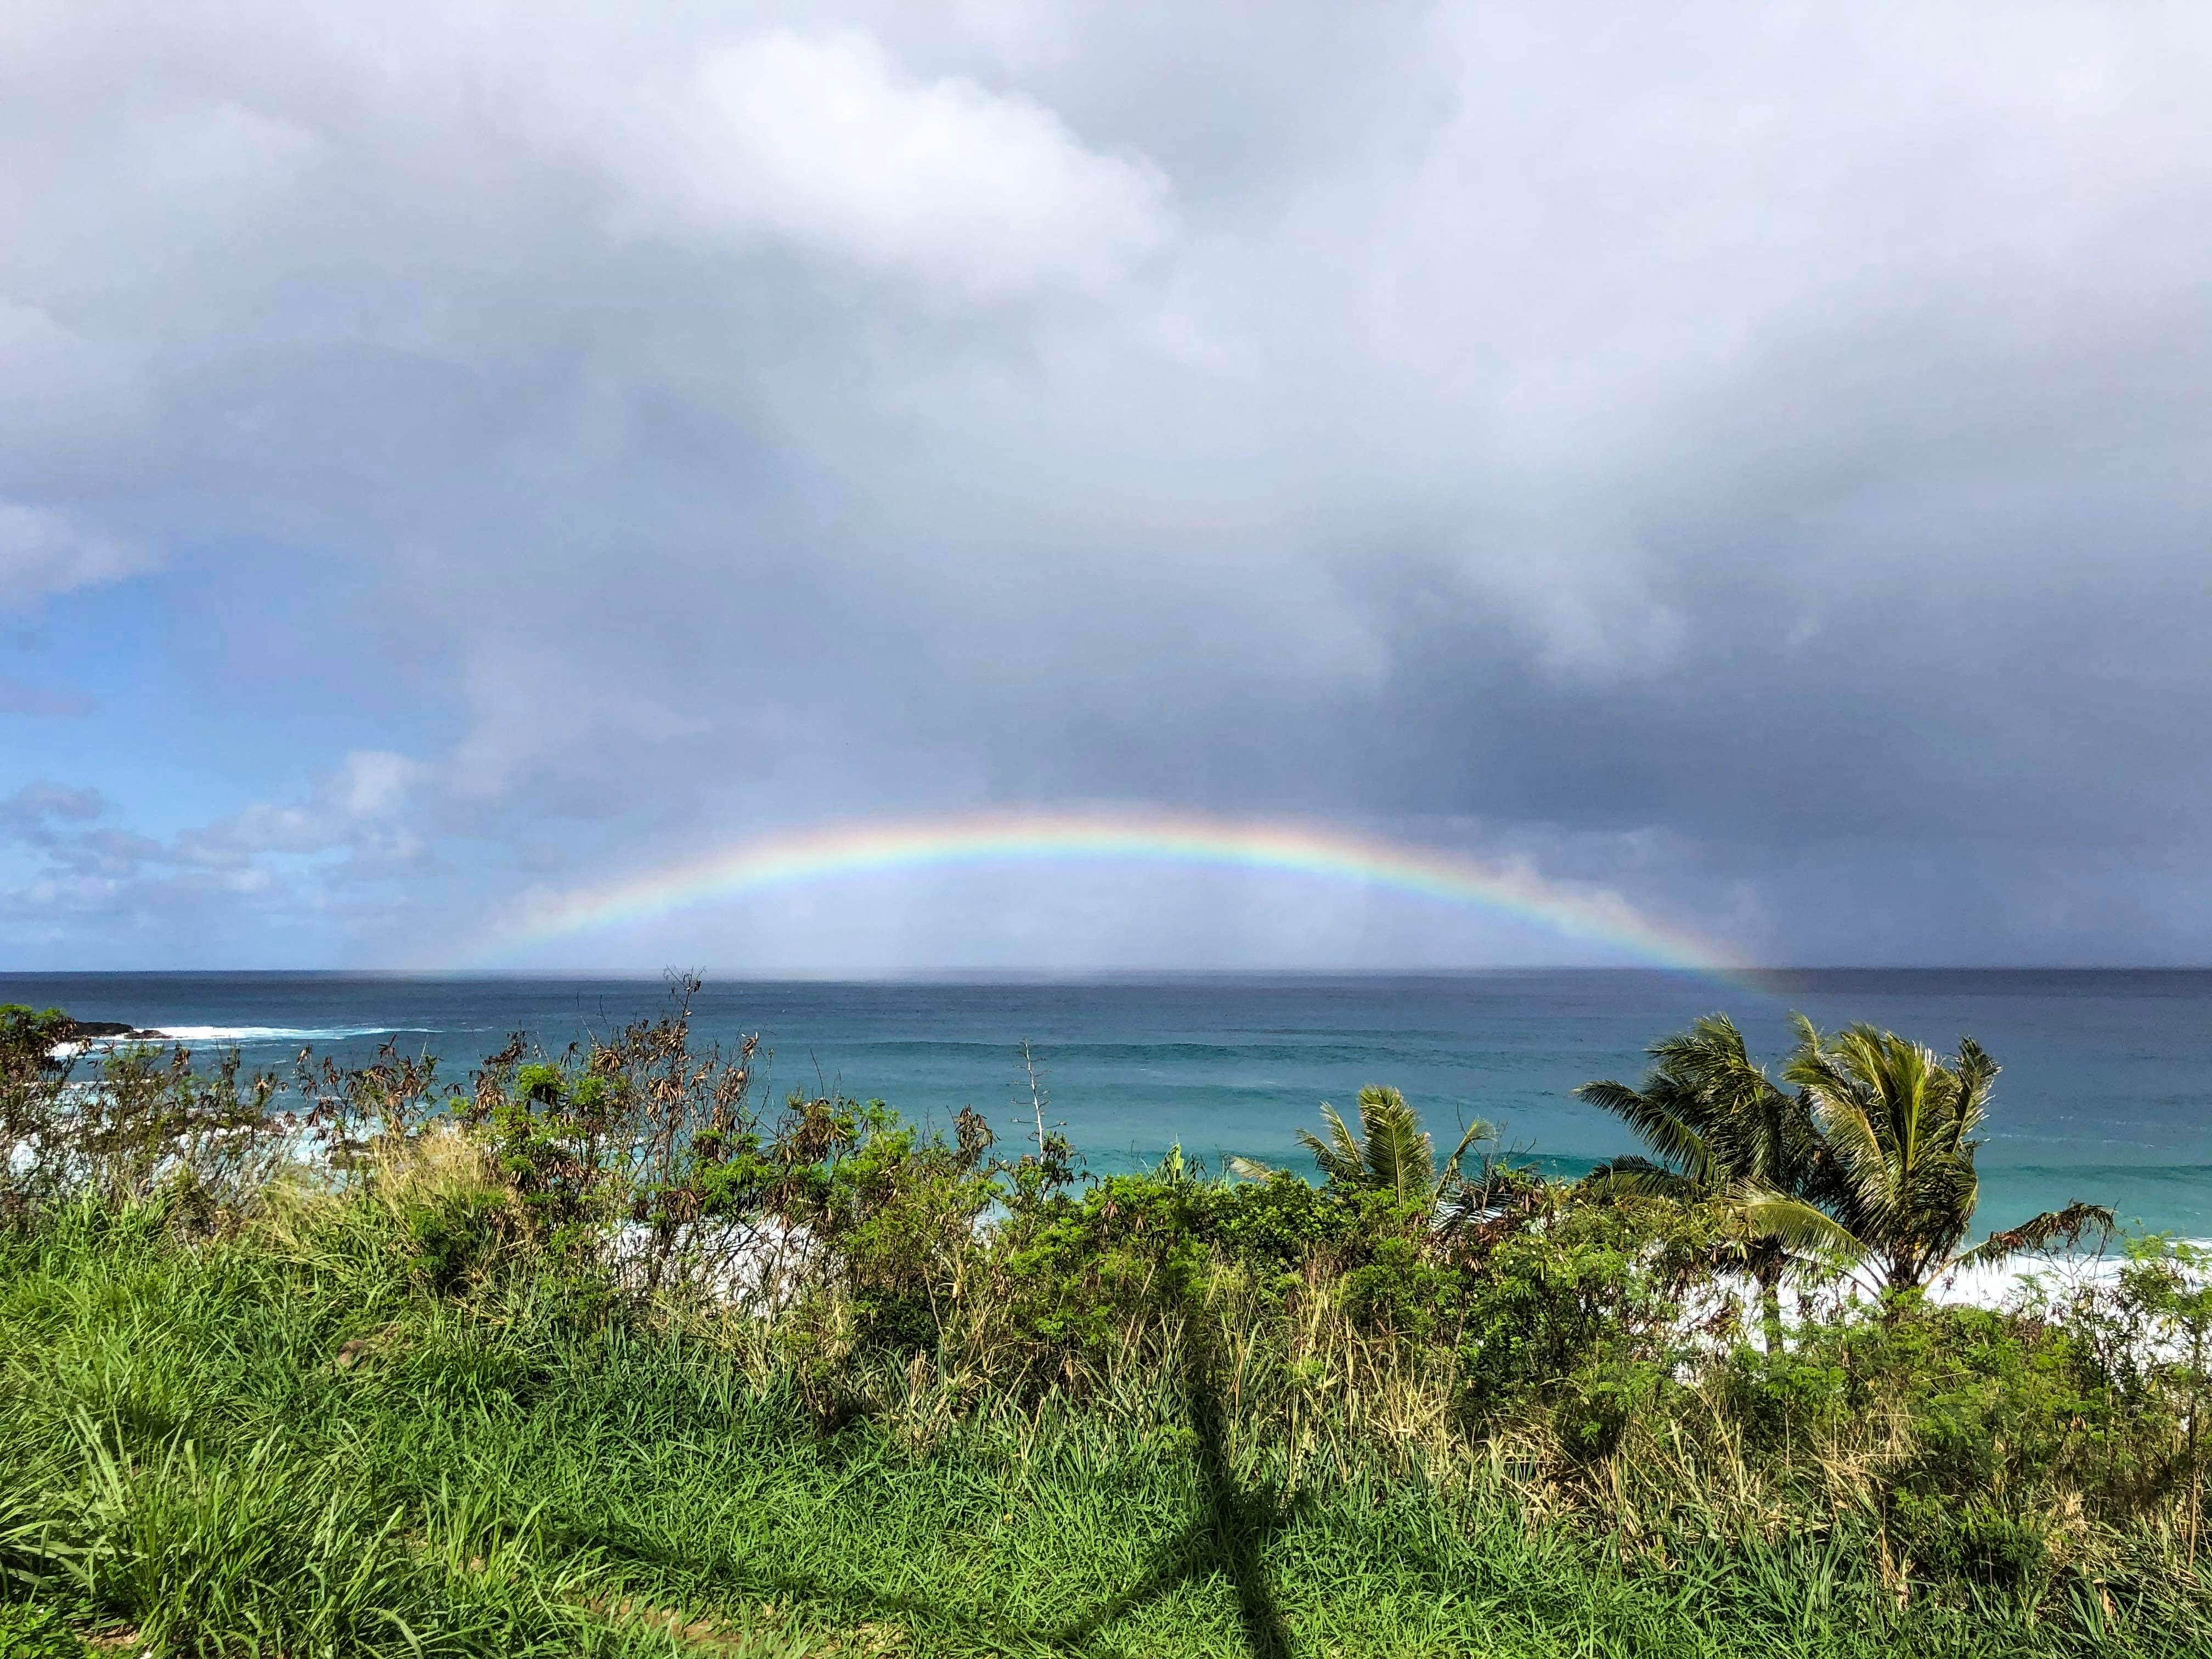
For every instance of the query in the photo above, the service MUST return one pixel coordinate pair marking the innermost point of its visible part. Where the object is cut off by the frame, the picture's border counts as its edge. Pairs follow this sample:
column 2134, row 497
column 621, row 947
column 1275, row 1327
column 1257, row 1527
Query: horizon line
column 860, row 973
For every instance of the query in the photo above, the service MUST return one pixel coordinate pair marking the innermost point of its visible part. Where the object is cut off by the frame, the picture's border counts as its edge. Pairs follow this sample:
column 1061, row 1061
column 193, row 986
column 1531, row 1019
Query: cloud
column 826, row 141
column 375, row 783
column 358, row 805
column 43, row 553
column 1748, row 459
column 33, row 807
column 288, row 870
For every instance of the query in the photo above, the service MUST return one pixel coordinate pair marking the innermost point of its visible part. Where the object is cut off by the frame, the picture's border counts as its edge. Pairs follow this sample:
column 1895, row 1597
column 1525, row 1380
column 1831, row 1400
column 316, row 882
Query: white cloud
column 826, row 141
column 354, row 806
column 343, row 851
column 43, row 553
column 375, row 782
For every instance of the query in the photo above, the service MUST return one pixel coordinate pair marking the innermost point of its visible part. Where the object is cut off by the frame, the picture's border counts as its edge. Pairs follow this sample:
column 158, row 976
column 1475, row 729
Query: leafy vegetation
column 590, row 1353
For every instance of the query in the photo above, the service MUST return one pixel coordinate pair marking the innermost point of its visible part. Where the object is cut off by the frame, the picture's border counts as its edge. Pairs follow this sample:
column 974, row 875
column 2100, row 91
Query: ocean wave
column 246, row 1034
column 285, row 1033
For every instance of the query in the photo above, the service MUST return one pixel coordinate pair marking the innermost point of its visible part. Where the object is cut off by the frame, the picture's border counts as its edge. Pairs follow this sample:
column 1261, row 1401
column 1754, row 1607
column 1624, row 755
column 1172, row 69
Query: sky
column 1747, row 463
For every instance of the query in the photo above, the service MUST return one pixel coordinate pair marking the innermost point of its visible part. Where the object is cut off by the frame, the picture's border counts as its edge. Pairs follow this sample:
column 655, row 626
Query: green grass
column 278, row 1445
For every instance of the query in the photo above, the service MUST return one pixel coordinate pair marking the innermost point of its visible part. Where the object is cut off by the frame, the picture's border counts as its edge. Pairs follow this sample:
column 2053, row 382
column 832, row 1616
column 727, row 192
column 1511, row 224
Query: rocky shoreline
column 99, row 1030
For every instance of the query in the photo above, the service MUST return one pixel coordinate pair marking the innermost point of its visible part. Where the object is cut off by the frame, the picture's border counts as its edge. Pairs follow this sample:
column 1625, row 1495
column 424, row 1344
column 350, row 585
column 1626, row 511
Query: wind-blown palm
column 1391, row 1152
column 1898, row 1184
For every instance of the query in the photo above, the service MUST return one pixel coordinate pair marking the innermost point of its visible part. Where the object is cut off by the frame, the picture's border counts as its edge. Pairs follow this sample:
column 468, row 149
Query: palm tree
column 1870, row 1160
column 1718, row 1128
column 1391, row 1152
column 1897, row 1185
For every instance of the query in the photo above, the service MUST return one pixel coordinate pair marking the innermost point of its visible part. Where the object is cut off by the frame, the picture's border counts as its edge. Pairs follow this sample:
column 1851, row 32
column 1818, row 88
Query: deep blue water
column 2106, row 1093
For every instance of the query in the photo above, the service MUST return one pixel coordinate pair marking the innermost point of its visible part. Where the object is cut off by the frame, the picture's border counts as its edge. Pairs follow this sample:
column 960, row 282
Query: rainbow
column 1147, row 837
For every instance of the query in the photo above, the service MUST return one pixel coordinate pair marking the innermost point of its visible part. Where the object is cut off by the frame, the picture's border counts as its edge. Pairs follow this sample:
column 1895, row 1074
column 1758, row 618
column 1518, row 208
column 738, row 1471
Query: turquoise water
column 2106, row 1093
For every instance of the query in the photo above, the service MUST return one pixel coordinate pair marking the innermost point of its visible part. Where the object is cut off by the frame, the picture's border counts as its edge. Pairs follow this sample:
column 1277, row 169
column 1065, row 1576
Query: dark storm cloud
column 1749, row 458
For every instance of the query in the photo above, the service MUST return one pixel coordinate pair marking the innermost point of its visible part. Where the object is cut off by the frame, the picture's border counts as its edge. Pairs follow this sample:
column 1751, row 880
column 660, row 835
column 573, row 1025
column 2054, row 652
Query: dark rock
column 92, row 1031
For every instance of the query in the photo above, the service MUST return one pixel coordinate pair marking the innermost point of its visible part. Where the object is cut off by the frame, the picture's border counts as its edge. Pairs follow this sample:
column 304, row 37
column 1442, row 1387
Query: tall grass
column 247, row 1447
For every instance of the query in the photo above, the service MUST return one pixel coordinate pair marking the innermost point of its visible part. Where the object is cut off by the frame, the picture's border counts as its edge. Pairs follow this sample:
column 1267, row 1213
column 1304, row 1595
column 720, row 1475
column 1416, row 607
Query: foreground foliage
column 589, row 1356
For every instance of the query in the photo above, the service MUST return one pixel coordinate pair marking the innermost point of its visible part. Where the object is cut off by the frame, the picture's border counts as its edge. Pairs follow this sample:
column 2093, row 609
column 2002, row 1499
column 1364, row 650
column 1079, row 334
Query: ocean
column 2106, row 1096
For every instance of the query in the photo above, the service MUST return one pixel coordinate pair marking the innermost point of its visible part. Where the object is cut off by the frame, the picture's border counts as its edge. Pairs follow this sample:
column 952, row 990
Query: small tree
column 1391, row 1152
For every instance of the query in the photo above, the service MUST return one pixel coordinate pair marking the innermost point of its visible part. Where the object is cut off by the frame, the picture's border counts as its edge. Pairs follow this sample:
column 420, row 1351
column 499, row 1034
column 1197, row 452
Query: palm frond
column 1667, row 1131
column 2068, row 1226
column 1799, row 1227
column 1976, row 1069
column 1810, row 1042
column 1977, row 1075
column 1712, row 1052
column 1340, row 1137
column 1633, row 1176
column 1501, row 1190
column 1902, row 1088
column 1398, row 1155
column 1477, row 1129
column 1339, row 1157
column 1247, row 1168
column 1856, row 1136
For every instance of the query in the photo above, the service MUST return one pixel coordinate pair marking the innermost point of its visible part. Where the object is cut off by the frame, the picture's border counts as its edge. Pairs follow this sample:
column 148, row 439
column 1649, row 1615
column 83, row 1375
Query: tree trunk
column 1905, row 1274
column 1770, row 1304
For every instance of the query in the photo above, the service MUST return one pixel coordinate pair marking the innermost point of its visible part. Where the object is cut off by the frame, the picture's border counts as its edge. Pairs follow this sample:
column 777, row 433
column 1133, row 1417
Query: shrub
column 455, row 1236
column 1589, row 1281
column 1973, row 1540
column 33, row 1630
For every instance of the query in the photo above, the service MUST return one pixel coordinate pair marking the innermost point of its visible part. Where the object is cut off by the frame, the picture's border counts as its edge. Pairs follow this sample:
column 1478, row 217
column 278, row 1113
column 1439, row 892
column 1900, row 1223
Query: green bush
column 1078, row 1277
column 1598, row 1282
column 1947, row 1541
column 455, row 1236
column 1397, row 1289
column 1783, row 1398
column 33, row 1630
